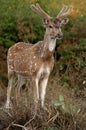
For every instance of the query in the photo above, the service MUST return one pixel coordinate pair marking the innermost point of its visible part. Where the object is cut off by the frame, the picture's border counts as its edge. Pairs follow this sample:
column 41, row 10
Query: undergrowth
column 59, row 116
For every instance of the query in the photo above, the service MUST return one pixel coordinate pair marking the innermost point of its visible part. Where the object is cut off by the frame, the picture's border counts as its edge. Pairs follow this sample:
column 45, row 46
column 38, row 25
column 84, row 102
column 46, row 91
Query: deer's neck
column 52, row 45
column 48, row 46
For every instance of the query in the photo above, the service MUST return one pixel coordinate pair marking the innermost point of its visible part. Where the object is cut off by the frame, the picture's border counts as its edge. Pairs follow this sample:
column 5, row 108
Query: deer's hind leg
column 36, row 91
column 20, row 83
column 10, row 85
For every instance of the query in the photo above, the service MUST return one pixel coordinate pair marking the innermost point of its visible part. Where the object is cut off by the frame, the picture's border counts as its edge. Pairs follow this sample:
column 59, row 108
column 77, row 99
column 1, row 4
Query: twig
column 30, row 120
column 53, row 118
column 6, row 111
column 9, row 125
column 20, row 126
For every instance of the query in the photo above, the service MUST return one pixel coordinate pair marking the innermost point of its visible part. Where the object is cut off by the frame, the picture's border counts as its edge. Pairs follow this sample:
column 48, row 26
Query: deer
column 36, row 60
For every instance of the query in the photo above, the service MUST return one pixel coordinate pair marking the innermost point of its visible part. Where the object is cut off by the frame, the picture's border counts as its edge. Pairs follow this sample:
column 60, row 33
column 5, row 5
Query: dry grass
column 20, row 117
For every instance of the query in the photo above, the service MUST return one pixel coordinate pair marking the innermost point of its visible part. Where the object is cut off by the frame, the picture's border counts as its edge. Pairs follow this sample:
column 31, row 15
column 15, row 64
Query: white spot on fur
column 34, row 57
column 11, row 67
column 10, row 54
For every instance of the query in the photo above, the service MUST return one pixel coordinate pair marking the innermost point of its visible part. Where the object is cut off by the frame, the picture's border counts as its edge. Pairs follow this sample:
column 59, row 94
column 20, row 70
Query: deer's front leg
column 43, row 89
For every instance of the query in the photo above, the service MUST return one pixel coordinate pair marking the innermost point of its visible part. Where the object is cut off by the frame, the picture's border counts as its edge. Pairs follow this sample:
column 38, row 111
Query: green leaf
column 61, row 98
column 57, row 104
column 61, row 67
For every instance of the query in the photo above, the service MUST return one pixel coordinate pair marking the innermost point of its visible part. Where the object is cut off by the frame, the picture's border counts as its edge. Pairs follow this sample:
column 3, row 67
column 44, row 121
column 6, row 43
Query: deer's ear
column 64, row 21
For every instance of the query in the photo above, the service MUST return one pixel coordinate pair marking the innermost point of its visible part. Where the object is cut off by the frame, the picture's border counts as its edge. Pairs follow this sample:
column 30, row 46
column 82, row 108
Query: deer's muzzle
column 59, row 36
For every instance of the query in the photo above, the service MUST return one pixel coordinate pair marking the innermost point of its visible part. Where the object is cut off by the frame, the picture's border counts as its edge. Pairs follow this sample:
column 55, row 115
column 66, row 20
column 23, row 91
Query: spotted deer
column 36, row 61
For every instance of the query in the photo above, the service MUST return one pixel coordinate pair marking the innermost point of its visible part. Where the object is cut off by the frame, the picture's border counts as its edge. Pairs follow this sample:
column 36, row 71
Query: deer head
column 53, row 26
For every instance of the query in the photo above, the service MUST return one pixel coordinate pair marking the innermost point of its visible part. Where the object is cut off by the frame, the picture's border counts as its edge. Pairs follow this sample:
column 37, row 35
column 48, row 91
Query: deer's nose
column 59, row 35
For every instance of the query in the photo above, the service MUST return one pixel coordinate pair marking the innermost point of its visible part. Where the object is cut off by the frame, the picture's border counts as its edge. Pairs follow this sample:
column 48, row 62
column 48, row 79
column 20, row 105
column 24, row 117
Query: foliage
column 65, row 107
column 71, row 66
column 19, row 23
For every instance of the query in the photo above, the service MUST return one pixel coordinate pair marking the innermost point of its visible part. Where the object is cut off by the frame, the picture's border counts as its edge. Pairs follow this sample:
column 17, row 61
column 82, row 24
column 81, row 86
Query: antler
column 40, row 11
column 64, row 13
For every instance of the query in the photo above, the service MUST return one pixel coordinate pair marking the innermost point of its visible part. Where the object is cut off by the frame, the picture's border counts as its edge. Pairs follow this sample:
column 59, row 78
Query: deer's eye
column 50, row 26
